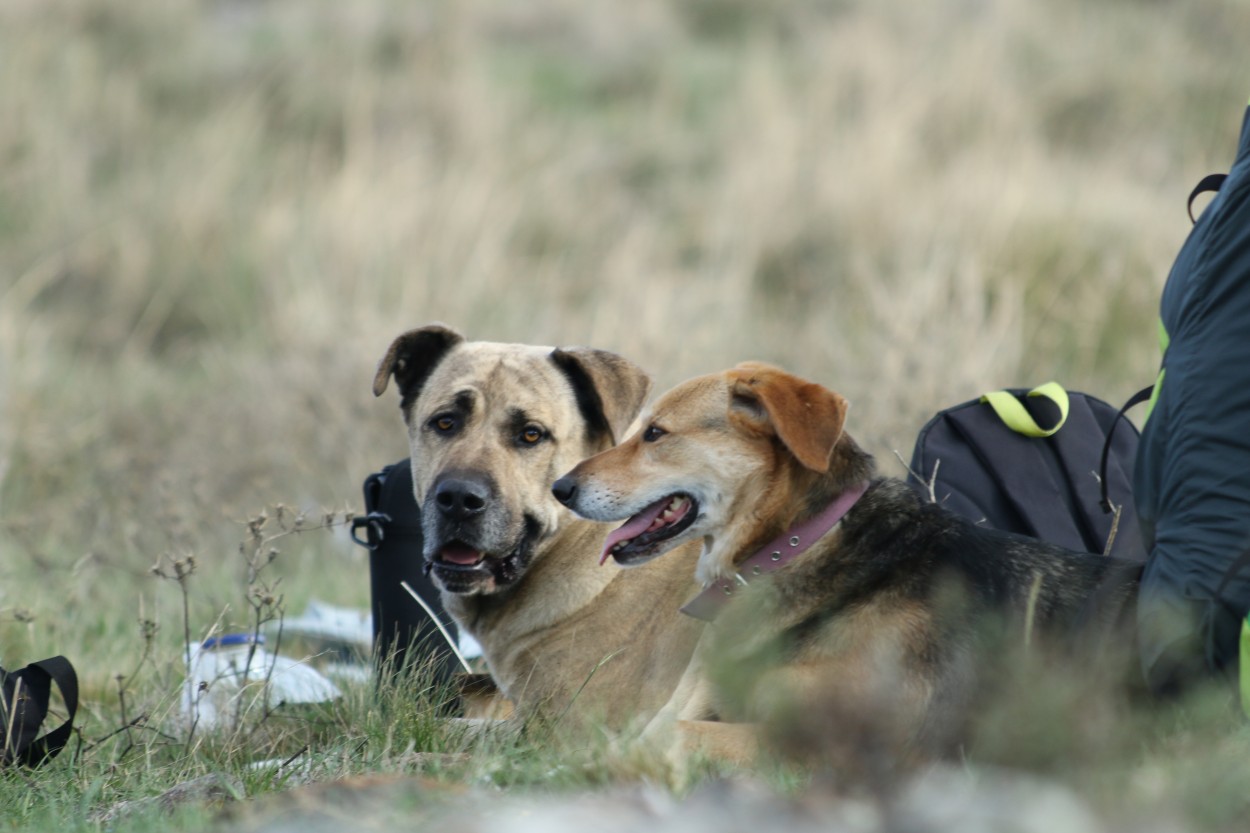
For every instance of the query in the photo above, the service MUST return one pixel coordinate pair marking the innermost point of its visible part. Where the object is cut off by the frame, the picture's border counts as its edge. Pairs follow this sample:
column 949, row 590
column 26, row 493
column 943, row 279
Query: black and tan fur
column 490, row 427
column 888, row 618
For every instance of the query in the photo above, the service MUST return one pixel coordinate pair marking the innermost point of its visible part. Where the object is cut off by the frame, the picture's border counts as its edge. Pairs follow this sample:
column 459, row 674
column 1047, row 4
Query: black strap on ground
column 1136, row 399
column 62, row 673
column 30, row 708
column 1210, row 182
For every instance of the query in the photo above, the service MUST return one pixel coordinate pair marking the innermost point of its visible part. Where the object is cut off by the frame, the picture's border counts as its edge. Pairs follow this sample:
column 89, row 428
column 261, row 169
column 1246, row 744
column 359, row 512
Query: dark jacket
column 1192, row 480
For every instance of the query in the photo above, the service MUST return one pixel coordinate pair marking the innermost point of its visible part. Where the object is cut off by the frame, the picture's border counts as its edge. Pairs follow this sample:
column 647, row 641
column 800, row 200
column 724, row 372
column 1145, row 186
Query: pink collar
column 776, row 554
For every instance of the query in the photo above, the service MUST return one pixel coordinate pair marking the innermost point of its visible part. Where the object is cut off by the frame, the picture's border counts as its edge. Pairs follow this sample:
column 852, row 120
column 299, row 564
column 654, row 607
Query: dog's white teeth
column 674, row 506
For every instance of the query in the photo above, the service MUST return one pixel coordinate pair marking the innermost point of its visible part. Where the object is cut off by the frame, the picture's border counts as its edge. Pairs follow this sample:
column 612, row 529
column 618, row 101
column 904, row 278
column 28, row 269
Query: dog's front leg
column 478, row 728
column 731, row 743
column 690, row 700
column 682, row 730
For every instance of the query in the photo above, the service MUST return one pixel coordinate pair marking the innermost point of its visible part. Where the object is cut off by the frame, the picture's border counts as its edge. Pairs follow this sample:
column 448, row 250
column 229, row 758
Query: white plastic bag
column 222, row 683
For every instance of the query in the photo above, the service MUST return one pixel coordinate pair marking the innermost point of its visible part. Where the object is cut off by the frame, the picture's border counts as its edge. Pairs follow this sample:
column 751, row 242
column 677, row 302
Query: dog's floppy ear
column 610, row 389
column 806, row 417
column 412, row 358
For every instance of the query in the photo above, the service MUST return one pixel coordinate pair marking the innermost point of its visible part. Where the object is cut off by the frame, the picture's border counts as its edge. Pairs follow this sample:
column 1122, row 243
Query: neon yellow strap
column 1245, row 667
column 1164, row 340
column 1154, row 396
column 1014, row 415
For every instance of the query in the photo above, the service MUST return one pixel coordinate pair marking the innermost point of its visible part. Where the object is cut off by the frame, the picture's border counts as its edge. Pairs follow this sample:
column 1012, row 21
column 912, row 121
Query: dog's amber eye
column 531, row 434
column 653, row 433
column 443, row 423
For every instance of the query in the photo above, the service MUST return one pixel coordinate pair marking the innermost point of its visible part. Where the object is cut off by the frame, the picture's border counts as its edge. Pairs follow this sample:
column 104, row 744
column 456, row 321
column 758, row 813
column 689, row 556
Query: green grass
column 214, row 216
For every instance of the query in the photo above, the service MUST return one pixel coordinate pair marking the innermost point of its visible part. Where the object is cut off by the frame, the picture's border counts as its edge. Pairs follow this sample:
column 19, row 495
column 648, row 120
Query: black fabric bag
column 403, row 632
column 1027, row 462
column 24, row 698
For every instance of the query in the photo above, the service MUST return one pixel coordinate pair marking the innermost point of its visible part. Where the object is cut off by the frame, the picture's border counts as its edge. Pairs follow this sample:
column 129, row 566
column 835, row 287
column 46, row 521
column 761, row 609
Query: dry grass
column 214, row 216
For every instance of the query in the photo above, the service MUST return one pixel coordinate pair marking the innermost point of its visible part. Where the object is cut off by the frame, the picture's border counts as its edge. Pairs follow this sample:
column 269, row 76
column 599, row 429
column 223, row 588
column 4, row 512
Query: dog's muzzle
column 470, row 548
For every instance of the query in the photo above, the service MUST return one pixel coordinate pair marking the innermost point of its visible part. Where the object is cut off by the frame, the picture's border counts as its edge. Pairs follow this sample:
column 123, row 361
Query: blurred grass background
column 215, row 215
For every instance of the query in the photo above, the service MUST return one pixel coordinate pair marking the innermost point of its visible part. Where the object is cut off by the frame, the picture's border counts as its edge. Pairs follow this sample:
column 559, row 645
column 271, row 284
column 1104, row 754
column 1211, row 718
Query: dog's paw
column 478, row 728
column 649, row 754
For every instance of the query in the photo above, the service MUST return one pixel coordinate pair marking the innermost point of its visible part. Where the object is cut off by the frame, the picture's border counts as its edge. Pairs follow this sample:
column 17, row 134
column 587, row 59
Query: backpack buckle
column 374, row 523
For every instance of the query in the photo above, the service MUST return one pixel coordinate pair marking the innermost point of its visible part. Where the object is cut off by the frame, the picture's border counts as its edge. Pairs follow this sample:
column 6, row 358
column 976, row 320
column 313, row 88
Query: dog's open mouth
column 639, row 537
column 459, row 555
column 461, row 568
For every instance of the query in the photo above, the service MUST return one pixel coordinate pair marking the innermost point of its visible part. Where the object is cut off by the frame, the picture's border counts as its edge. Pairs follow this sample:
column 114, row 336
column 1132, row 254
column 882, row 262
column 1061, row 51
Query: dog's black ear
column 610, row 389
column 412, row 358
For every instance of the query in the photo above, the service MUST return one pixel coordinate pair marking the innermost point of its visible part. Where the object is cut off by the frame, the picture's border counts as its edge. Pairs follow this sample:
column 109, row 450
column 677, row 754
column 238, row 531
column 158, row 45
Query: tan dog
column 869, row 603
column 490, row 427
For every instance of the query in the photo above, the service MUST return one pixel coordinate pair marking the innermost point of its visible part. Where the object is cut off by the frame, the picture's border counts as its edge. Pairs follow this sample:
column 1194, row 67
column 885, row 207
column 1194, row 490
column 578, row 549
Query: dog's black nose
column 461, row 498
column 564, row 489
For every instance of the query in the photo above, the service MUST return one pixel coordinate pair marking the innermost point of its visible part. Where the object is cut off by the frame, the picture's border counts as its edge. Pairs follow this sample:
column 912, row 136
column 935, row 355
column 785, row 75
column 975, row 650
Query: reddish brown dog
column 867, row 600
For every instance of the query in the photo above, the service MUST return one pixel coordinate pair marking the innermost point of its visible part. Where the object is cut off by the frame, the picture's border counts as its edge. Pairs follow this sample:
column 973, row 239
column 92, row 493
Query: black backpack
column 24, row 698
column 403, row 631
column 1029, row 461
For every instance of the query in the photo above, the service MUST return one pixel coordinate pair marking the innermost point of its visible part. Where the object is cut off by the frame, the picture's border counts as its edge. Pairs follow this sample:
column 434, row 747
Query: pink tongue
column 634, row 527
column 460, row 554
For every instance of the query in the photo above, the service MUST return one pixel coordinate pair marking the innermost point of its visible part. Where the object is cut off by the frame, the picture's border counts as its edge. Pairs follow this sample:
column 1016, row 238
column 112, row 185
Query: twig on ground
column 451, row 643
column 293, row 758
column 1115, row 527
column 930, row 482
column 180, row 571
column 1030, row 609
column 121, row 703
